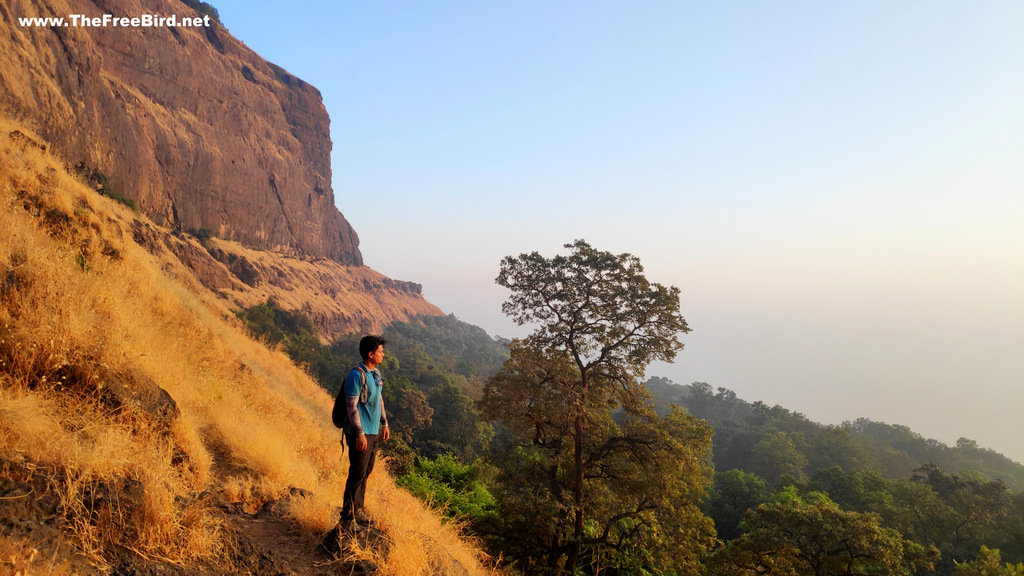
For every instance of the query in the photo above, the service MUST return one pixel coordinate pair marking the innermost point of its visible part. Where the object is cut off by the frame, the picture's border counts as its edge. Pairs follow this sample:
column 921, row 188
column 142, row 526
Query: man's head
column 369, row 345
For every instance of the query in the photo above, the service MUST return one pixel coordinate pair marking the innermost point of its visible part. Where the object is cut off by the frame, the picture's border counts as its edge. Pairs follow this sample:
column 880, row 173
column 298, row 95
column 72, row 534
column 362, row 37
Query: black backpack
column 339, row 415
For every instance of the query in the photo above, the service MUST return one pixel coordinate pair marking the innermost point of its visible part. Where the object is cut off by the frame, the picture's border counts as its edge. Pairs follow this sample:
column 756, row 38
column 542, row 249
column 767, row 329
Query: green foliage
column 204, row 235
column 1010, row 538
column 462, row 348
column 989, row 564
column 895, row 451
column 82, row 262
column 858, row 490
column 879, row 438
column 295, row 333
column 98, row 181
column 644, row 474
column 409, row 412
column 954, row 514
column 596, row 306
column 863, row 467
column 204, row 9
column 796, row 536
column 594, row 477
column 457, row 489
column 777, row 459
column 733, row 493
column 429, row 411
column 454, row 425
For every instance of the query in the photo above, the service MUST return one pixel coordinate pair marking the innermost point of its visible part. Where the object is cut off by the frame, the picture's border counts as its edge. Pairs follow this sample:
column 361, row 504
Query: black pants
column 360, row 465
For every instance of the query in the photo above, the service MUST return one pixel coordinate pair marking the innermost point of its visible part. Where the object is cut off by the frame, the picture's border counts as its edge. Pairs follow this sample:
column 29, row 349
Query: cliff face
column 188, row 122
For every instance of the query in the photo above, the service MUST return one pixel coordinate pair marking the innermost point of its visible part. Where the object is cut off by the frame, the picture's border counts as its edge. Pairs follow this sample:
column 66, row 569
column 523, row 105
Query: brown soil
column 30, row 513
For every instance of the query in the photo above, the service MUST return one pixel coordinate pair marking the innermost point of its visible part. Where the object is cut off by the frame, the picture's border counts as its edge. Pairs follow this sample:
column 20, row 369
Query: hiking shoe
column 364, row 520
column 348, row 526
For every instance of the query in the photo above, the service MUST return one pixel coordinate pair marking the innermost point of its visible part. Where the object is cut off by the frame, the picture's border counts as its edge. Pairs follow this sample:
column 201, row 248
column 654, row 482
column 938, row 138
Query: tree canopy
column 596, row 306
column 602, row 479
column 812, row 536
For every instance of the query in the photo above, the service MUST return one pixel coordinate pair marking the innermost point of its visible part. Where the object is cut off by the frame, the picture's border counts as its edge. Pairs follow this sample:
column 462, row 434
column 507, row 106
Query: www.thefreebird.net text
column 111, row 21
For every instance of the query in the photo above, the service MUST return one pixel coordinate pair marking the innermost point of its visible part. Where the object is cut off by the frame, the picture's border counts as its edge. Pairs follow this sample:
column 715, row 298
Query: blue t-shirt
column 369, row 413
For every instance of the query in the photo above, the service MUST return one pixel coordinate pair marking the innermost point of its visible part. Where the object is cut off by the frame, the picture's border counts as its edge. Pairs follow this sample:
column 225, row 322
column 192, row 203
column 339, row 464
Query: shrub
column 455, row 488
column 204, row 9
column 204, row 235
column 99, row 182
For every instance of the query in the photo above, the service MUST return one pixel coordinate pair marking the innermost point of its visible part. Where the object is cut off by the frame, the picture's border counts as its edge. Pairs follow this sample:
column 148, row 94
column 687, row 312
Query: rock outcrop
column 193, row 126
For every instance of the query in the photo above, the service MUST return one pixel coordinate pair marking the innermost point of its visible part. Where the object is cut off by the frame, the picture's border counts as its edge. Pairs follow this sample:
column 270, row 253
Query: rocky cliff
column 193, row 126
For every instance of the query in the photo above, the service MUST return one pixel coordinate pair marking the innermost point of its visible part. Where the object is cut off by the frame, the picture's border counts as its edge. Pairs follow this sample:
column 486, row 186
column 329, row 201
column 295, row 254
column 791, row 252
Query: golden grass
column 418, row 532
column 82, row 303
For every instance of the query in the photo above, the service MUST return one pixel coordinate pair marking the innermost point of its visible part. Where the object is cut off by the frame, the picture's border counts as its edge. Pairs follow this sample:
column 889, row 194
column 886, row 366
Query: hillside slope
column 339, row 299
column 141, row 431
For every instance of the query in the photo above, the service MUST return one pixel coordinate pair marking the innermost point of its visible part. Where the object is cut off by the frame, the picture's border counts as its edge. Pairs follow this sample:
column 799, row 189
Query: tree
column 835, row 446
column 812, row 536
column 955, row 514
column 989, row 563
column 408, row 413
column 857, row 490
column 734, row 492
column 600, row 322
column 1010, row 540
column 777, row 458
column 644, row 474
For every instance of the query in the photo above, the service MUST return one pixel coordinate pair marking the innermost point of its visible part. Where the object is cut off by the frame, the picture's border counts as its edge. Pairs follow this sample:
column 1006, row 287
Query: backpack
column 339, row 415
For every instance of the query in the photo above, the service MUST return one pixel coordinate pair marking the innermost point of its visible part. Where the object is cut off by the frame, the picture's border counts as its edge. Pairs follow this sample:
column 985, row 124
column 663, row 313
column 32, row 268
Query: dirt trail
column 288, row 548
column 269, row 545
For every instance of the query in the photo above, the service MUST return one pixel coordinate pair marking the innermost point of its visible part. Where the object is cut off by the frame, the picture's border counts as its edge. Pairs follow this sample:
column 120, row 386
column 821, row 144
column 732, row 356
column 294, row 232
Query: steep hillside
column 141, row 431
column 339, row 299
column 193, row 126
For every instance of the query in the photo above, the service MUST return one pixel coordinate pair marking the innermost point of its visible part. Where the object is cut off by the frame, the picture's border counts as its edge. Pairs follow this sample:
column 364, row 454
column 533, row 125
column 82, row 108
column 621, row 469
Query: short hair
column 370, row 344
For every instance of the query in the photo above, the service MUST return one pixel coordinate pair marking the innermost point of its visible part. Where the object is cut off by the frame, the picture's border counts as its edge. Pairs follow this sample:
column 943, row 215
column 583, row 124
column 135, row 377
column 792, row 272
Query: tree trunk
column 577, row 536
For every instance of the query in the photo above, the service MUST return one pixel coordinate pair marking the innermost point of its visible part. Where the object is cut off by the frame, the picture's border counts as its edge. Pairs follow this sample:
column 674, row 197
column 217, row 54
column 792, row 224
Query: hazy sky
column 836, row 188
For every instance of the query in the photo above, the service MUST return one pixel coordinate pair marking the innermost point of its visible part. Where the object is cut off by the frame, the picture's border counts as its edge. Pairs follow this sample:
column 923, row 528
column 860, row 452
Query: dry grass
column 419, row 533
column 81, row 304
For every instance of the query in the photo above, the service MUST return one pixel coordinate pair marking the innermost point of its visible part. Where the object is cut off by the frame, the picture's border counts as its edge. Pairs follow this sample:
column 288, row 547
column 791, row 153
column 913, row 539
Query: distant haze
column 837, row 189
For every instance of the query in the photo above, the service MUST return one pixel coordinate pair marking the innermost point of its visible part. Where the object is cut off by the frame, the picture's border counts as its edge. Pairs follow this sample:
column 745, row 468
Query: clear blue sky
column 836, row 188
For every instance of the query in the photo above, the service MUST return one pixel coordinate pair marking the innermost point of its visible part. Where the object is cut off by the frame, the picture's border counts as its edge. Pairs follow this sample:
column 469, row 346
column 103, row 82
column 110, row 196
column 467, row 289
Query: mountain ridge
column 895, row 450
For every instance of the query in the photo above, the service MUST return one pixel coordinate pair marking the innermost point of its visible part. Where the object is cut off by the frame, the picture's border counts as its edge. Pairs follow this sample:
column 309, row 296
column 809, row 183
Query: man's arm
column 385, row 433
column 357, row 426
column 352, row 405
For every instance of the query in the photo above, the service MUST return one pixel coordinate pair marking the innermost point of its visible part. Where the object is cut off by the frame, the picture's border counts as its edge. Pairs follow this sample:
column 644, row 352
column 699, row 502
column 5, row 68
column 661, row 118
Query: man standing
column 368, row 425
